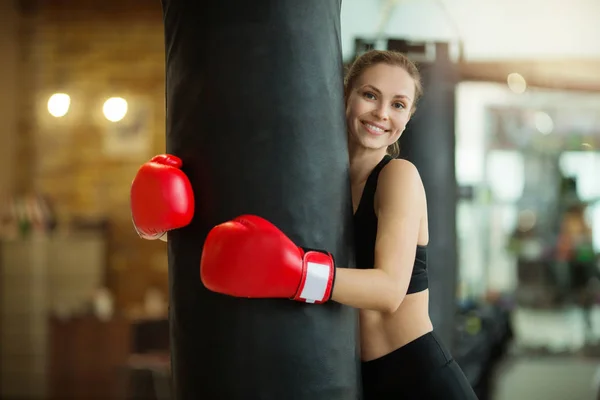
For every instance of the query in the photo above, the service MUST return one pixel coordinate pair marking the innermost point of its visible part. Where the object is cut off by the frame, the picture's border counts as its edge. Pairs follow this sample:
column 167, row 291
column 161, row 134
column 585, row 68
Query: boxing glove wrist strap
column 318, row 276
column 147, row 236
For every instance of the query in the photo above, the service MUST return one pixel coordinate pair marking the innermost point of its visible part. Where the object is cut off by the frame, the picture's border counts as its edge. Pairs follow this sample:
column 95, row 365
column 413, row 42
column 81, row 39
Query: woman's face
column 379, row 106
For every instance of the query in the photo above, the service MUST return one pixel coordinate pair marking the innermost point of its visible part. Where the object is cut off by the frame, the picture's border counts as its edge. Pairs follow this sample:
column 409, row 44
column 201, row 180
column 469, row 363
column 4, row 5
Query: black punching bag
column 255, row 111
column 429, row 142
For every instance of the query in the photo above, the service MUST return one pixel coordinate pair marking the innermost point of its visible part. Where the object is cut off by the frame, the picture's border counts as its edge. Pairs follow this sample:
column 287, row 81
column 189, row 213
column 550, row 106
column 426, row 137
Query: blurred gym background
column 83, row 300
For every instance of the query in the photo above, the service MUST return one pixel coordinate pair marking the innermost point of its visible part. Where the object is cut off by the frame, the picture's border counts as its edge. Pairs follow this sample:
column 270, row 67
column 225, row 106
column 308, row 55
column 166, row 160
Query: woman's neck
column 362, row 162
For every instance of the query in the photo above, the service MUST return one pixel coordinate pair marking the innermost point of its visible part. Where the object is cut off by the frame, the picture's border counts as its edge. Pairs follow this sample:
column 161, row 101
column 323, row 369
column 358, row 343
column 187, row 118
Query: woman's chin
column 367, row 141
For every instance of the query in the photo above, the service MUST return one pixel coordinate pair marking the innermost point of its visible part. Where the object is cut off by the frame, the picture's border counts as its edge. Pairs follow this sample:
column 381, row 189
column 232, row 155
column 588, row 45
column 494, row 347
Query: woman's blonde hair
column 389, row 57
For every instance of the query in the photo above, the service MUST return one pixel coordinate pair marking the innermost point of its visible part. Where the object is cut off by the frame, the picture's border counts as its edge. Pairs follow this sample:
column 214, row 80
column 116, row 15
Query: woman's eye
column 369, row 96
column 398, row 105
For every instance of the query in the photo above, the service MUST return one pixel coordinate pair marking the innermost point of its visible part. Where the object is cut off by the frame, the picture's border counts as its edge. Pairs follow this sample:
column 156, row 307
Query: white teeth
column 373, row 127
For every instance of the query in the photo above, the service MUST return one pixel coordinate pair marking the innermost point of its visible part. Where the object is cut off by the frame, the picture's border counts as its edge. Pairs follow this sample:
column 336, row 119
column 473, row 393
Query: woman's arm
column 400, row 206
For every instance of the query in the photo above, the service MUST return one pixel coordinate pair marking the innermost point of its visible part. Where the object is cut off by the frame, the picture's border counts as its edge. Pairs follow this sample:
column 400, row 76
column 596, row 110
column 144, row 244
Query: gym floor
column 553, row 357
column 546, row 378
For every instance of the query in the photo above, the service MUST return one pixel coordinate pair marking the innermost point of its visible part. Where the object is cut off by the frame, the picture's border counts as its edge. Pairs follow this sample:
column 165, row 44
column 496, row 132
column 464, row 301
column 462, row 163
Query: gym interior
column 512, row 102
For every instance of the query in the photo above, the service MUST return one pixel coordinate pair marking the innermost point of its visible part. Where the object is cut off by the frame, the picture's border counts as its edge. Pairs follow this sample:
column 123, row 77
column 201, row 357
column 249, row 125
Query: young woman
column 402, row 355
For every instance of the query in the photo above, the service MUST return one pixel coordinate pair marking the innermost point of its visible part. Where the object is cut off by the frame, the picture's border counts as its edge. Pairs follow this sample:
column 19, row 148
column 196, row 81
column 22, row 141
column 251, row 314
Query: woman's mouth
column 373, row 129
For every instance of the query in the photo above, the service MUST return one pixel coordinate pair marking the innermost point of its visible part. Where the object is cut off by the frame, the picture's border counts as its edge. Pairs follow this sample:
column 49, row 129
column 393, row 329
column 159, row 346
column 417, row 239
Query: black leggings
column 421, row 370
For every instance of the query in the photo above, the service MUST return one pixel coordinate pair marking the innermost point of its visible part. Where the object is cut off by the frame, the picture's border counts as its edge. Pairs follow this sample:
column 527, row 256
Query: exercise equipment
column 255, row 112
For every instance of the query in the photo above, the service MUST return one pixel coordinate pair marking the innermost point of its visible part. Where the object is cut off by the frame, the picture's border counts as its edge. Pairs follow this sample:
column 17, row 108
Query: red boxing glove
column 161, row 197
column 250, row 257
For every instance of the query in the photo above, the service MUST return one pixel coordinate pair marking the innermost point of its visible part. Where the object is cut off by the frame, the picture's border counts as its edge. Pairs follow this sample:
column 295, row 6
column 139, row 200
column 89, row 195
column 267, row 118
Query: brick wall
column 93, row 50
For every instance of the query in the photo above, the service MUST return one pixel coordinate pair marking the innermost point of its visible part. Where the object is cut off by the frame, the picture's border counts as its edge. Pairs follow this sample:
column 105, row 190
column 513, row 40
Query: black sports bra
column 365, row 233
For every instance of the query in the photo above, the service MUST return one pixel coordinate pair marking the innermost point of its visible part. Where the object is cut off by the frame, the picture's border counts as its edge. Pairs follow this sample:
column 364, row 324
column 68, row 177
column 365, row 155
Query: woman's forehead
column 388, row 79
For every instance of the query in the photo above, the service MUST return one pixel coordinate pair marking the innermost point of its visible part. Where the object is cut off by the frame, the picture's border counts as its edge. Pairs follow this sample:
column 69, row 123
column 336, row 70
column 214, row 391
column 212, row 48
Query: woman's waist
column 412, row 363
column 381, row 333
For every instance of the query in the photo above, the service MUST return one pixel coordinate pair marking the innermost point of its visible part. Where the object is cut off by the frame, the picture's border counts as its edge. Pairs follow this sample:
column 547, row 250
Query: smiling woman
column 402, row 355
column 407, row 94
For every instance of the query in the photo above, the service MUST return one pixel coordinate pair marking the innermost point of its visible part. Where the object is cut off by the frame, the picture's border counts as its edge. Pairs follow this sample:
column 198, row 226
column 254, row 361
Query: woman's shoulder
column 400, row 172
column 400, row 182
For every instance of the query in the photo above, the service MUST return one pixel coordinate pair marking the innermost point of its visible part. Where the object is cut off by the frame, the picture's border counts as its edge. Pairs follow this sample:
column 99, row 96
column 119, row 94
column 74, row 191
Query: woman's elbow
column 392, row 303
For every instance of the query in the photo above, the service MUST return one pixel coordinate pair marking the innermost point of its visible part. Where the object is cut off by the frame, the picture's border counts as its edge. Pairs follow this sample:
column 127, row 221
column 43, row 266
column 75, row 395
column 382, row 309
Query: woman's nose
column 381, row 113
